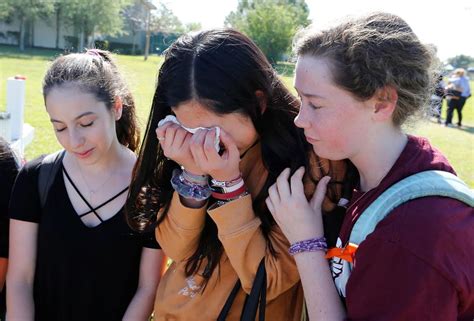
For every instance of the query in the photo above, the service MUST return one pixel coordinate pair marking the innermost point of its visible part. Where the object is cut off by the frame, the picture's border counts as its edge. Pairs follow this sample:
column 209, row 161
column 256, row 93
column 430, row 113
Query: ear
column 262, row 100
column 384, row 103
column 117, row 108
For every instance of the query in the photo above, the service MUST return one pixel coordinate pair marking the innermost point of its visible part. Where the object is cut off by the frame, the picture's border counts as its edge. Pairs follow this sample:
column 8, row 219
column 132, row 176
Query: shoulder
column 8, row 169
column 24, row 202
column 28, row 172
column 33, row 165
column 437, row 230
column 432, row 215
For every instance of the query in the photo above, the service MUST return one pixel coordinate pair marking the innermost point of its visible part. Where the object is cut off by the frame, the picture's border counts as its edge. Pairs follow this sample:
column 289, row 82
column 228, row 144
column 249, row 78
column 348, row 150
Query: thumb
column 318, row 196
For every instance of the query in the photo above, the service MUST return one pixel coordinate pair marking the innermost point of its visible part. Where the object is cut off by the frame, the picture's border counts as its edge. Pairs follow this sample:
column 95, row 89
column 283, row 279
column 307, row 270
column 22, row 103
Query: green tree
column 192, row 26
column 270, row 23
column 164, row 20
column 5, row 10
column 461, row 61
column 25, row 11
column 92, row 17
column 135, row 17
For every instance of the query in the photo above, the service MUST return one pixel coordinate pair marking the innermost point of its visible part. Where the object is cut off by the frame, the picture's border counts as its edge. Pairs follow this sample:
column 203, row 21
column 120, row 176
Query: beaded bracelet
column 311, row 245
column 189, row 190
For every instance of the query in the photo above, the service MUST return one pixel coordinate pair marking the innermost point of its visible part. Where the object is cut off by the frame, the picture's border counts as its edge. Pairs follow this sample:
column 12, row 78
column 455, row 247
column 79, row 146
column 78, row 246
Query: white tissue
column 171, row 118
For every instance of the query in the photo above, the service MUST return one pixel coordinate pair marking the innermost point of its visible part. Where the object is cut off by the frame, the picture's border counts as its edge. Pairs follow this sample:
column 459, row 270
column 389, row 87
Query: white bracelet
column 233, row 188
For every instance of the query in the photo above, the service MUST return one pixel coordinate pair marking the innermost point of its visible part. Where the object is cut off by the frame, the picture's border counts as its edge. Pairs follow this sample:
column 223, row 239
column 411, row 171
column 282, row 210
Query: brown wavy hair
column 374, row 51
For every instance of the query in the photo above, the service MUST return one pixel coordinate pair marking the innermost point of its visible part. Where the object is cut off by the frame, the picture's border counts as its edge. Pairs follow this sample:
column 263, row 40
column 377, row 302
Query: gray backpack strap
column 423, row 184
column 47, row 172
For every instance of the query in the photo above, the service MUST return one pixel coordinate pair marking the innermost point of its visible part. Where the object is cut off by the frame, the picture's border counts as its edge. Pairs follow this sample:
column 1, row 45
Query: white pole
column 15, row 105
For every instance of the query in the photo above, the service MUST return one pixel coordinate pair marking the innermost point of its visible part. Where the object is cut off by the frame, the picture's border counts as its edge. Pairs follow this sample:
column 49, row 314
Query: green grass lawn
column 456, row 144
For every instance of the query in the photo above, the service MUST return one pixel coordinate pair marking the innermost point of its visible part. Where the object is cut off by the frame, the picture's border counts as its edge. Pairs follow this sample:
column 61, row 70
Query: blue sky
column 448, row 25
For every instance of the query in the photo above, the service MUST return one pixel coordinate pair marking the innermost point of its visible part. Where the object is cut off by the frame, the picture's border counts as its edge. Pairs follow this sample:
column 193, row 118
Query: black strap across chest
column 92, row 209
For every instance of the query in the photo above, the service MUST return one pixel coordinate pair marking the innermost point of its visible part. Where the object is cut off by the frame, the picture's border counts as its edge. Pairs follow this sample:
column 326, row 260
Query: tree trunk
column 91, row 39
column 58, row 23
column 31, row 40
column 21, row 41
column 81, row 41
column 147, row 38
column 134, row 41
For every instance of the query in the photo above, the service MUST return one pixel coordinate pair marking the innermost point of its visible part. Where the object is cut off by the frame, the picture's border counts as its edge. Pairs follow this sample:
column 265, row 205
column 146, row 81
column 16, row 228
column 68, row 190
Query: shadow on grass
column 464, row 128
column 468, row 129
column 14, row 52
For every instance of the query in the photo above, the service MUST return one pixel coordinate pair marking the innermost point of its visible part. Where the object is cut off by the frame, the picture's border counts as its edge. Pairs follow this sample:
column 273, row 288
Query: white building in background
column 43, row 33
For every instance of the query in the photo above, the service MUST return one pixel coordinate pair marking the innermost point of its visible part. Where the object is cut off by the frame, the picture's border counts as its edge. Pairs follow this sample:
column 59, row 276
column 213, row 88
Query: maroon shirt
column 418, row 264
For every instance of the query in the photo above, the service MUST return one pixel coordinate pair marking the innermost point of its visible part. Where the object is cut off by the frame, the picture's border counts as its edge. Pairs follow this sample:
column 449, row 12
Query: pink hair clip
column 93, row 52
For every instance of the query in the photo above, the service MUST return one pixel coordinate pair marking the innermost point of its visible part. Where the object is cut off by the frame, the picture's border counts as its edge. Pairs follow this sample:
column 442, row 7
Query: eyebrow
column 310, row 95
column 80, row 116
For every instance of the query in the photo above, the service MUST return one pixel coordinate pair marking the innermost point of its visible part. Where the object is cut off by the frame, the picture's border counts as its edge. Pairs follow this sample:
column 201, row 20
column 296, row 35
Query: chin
column 327, row 154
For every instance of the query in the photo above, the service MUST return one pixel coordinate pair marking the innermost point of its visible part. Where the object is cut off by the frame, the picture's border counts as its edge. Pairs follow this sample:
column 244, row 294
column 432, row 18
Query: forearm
column 21, row 272
column 321, row 296
column 141, row 306
column 20, row 304
column 245, row 246
column 178, row 234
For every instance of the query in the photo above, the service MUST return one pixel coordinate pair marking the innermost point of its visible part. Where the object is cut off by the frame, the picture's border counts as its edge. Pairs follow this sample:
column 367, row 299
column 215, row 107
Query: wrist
column 224, row 187
column 192, row 178
column 191, row 190
column 192, row 203
column 227, row 178
column 224, row 195
column 193, row 171
column 304, row 232
column 309, row 245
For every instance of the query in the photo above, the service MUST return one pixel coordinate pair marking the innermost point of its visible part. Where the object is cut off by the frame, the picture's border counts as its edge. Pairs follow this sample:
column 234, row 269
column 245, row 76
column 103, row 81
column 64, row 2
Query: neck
column 378, row 156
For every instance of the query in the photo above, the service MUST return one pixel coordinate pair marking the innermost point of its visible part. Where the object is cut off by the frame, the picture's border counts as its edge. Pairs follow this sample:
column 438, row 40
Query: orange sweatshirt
column 180, row 297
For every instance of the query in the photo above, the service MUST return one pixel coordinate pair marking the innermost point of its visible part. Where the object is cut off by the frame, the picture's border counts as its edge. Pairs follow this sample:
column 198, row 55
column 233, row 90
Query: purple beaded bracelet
column 311, row 245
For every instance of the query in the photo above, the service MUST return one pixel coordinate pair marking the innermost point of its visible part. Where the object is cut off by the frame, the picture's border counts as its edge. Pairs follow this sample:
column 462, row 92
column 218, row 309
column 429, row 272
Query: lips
column 84, row 154
column 311, row 140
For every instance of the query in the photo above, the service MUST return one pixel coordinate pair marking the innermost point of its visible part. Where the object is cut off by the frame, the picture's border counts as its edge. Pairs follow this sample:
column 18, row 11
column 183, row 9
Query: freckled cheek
column 320, row 128
column 330, row 135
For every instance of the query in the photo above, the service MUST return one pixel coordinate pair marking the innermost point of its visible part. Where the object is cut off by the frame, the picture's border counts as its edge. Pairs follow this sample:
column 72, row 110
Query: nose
column 301, row 120
column 76, row 139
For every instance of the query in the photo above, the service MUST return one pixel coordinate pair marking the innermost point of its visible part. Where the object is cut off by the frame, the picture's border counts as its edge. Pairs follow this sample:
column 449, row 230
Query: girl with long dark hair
column 202, row 178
